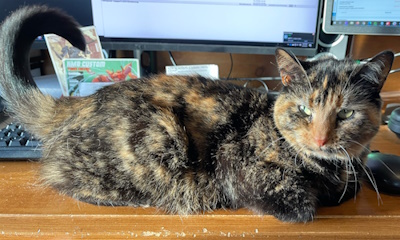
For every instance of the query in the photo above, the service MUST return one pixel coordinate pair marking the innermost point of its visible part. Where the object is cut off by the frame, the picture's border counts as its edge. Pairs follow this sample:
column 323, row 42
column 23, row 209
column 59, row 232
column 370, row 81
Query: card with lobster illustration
column 60, row 49
column 86, row 76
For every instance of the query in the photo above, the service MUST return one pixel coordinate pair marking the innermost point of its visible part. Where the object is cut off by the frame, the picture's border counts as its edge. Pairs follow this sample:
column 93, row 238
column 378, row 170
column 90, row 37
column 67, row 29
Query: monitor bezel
column 188, row 46
column 121, row 44
column 330, row 28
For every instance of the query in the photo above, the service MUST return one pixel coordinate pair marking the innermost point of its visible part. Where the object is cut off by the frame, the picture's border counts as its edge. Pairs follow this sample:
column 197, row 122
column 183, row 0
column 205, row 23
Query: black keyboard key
column 19, row 132
column 23, row 141
column 7, row 140
column 16, row 143
column 7, row 133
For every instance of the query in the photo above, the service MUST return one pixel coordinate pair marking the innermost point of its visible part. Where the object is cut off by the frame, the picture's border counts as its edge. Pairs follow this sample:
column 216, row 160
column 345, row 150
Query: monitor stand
column 334, row 44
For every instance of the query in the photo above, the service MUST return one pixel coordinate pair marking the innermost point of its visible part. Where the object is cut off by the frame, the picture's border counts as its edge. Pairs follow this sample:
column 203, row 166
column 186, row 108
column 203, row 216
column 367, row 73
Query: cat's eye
column 345, row 114
column 305, row 110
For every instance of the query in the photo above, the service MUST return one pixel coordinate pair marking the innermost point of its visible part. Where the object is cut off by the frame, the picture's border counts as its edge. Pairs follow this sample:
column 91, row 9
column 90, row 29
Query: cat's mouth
column 334, row 151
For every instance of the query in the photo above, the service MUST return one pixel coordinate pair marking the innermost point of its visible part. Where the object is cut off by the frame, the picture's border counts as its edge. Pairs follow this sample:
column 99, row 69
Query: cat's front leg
column 281, row 192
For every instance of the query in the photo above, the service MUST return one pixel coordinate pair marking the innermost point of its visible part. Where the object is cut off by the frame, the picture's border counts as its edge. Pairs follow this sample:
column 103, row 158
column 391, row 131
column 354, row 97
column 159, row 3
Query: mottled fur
column 188, row 144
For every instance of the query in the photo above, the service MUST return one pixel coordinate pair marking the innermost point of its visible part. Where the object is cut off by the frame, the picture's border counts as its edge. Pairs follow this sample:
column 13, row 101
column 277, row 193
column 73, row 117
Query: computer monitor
column 366, row 17
column 236, row 26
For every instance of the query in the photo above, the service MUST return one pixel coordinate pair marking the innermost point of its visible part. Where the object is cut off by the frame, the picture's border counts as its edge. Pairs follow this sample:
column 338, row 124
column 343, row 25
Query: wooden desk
column 29, row 211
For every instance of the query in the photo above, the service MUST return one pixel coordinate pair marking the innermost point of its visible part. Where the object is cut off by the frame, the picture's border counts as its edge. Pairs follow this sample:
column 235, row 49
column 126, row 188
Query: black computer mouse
column 386, row 171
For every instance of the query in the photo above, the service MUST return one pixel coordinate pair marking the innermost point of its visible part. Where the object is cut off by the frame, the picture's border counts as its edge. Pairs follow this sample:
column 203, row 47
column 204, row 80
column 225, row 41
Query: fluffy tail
column 17, row 33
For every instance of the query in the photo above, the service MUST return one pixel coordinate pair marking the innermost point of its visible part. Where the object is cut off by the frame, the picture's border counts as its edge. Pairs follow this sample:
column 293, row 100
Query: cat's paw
column 295, row 205
column 301, row 213
column 299, row 207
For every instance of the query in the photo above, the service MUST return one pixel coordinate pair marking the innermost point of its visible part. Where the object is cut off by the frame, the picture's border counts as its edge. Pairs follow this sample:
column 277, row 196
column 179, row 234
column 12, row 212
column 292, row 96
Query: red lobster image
column 116, row 76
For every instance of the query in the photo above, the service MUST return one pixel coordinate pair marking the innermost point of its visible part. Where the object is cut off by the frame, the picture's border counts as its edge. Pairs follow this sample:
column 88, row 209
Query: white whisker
column 335, row 162
column 355, row 174
column 369, row 174
column 360, row 145
column 355, row 179
column 347, row 174
column 267, row 147
column 305, row 73
column 346, row 184
column 295, row 158
column 372, row 180
column 348, row 80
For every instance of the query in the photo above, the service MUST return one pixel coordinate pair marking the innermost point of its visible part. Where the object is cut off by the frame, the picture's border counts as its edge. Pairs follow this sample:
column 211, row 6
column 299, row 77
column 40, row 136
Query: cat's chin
column 328, row 155
column 333, row 153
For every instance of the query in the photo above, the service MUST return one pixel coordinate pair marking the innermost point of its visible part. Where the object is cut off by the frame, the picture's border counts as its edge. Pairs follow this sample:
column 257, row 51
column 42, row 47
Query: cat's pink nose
column 321, row 141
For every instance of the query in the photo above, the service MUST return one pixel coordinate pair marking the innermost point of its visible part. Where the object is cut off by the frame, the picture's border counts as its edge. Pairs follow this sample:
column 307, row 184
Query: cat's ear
column 377, row 69
column 290, row 69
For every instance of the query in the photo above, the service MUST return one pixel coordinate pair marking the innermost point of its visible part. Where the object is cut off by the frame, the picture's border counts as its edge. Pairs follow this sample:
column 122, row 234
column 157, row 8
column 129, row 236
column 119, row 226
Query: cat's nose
column 321, row 141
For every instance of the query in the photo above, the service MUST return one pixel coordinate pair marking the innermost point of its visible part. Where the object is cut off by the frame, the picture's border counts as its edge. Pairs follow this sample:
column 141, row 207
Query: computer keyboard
column 18, row 144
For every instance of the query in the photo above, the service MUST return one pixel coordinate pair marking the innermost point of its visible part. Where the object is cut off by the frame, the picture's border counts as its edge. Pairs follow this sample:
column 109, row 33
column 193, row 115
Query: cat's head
column 330, row 108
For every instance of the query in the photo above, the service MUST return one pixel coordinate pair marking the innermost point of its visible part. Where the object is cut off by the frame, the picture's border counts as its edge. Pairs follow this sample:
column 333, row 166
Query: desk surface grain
column 28, row 210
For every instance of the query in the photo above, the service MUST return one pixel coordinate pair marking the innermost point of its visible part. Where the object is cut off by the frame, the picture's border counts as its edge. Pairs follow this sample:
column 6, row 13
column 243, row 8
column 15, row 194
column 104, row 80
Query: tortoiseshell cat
column 188, row 144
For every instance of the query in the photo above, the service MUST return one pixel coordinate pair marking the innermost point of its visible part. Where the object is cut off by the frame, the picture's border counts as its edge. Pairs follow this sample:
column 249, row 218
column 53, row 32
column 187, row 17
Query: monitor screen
column 369, row 17
column 238, row 26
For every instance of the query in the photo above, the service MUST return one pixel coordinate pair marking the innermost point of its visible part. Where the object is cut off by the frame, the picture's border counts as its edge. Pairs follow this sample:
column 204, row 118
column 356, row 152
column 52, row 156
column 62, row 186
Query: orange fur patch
column 286, row 79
